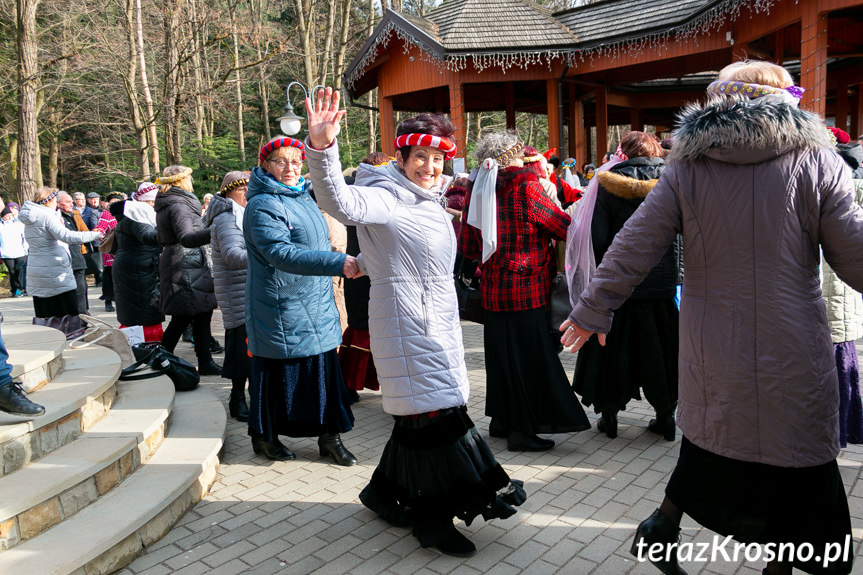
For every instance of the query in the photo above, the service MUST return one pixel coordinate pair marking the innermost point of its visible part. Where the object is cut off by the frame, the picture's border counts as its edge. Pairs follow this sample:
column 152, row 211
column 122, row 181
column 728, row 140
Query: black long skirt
column 238, row 362
column 303, row 397
column 759, row 503
column 65, row 303
column 437, row 466
column 640, row 355
column 527, row 388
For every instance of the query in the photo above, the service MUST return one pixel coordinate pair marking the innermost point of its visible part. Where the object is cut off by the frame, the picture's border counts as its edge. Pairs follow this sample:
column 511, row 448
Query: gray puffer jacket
column 229, row 260
column 755, row 189
column 49, row 268
column 408, row 251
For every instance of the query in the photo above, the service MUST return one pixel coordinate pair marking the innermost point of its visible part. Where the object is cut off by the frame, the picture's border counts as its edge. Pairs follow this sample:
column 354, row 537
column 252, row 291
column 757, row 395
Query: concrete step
column 74, row 401
column 60, row 484
column 109, row 533
column 35, row 353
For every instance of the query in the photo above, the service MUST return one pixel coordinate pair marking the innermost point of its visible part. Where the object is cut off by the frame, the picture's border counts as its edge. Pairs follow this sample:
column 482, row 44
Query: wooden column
column 601, row 122
column 779, row 47
column 636, row 119
column 385, row 106
column 551, row 104
column 842, row 105
column 813, row 63
column 856, row 112
column 509, row 96
column 457, row 116
column 579, row 146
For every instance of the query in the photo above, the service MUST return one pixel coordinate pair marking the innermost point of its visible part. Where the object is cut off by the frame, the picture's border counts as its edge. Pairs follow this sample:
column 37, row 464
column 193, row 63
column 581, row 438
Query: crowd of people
column 755, row 362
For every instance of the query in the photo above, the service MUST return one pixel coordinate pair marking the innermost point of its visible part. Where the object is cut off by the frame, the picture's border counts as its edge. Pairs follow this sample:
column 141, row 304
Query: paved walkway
column 585, row 498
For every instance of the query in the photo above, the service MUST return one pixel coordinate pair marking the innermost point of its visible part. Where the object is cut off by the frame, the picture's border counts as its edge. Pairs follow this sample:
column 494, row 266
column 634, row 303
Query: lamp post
column 289, row 122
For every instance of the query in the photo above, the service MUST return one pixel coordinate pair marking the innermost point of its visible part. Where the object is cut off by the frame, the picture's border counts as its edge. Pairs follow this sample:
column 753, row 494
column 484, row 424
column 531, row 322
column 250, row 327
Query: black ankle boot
column 386, row 506
column 658, row 529
column 497, row 429
column 520, row 441
column 664, row 425
column 455, row 544
column 237, row 405
column 331, row 444
column 13, row 401
column 208, row 367
column 274, row 449
column 608, row 424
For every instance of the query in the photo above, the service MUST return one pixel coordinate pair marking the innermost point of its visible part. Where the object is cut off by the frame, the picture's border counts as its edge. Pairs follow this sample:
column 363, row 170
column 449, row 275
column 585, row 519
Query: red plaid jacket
column 516, row 277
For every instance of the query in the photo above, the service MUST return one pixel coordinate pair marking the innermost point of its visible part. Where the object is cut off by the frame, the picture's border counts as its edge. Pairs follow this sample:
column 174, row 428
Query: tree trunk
column 305, row 36
column 241, row 142
column 197, row 76
column 29, row 169
column 53, row 146
column 132, row 92
column 172, row 81
column 345, row 21
column 145, row 84
column 327, row 53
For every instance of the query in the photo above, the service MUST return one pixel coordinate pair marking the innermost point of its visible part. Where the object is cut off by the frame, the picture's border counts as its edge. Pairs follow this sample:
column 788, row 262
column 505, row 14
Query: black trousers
column 81, row 291
column 94, row 266
column 200, row 331
column 17, row 273
column 107, row 285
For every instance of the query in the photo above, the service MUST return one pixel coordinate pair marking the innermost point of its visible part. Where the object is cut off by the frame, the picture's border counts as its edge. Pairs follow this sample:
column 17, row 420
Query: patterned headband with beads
column 505, row 157
column 49, row 198
column 445, row 145
column 234, row 185
column 165, row 180
column 267, row 148
column 532, row 159
column 750, row 90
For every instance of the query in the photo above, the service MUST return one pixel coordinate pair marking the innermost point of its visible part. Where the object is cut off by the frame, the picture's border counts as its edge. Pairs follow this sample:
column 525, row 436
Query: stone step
column 74, row 401
column 63, row 482
column 35, row 353
column 109, row 533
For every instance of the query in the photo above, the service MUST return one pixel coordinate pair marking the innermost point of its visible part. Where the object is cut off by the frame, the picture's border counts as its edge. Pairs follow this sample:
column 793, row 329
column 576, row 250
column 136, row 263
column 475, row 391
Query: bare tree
column 29, row 170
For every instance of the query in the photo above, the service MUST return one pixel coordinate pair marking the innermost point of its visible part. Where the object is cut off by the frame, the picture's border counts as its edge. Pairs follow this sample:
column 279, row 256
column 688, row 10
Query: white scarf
column 482, row 213
column 238, row 213
column 434, row 193
column 140, row 212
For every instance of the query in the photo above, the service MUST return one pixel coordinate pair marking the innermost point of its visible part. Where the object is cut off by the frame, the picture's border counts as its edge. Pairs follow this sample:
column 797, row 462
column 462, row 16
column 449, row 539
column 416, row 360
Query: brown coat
column 755, row 190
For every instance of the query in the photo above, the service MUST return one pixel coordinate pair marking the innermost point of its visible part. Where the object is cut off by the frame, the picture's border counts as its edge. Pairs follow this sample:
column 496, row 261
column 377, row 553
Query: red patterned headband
column 266, row 149
column 444, row 145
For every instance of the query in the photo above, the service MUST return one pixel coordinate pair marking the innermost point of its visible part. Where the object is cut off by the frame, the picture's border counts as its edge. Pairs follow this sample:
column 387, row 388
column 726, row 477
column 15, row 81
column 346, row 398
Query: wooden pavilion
column 610, row 62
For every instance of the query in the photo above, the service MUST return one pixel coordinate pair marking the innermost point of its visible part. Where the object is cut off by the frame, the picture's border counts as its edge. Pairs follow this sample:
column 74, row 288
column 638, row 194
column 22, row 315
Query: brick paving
column 585, row 498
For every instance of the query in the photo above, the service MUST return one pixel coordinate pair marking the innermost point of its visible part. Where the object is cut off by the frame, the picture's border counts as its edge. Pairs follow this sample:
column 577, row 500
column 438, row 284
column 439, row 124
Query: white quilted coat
column 408, row 251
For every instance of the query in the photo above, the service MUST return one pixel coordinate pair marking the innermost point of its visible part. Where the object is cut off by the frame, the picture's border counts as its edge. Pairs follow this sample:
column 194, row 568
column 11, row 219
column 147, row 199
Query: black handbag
column 467, row 291
column 72, row 325
column 163, row 362
column 559, row 307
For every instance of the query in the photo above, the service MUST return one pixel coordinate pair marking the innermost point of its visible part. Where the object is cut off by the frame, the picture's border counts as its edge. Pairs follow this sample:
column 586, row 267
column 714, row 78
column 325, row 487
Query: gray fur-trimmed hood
column 738, row 130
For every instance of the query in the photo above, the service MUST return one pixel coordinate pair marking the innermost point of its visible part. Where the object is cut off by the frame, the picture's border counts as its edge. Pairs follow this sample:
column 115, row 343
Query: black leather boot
column 386, row 506
column 496, row 428
column 658, row 529
column 331, row 444
column 520, row 441
column 608, row 424
column 274, row 449
column 208, row 367
column 13, row 401
column 237, row 405
column 664, row 425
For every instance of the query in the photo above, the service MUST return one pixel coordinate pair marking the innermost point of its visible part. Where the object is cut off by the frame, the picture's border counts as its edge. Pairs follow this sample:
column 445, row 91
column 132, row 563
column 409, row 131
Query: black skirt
column 302, row 397
column 65, row 303
column 438, row 466
column 238, row 363
column 759, row 503
column 640, row 355
column 527, row 388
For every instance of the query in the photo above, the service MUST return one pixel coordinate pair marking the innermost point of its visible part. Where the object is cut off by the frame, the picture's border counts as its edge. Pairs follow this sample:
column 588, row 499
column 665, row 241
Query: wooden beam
column 579, row 146
column 457, row 116
column 601, row 123
column 509, row 95
column 385, row 105
column 813, row 63
column 778, row 48
column 856, row 125
column 635, row 119
column 551, row 102
column 842, row 106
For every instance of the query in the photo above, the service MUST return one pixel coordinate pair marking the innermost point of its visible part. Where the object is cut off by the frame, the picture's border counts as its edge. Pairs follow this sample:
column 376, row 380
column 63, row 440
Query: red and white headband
column 267, row 148
column 446, row 146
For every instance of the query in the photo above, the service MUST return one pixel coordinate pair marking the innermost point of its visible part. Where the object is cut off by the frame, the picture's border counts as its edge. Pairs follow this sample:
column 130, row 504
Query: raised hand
column 324, row 118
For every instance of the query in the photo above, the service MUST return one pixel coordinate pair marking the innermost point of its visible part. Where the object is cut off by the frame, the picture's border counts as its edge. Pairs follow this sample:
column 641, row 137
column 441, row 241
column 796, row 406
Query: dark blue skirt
column 303, row 397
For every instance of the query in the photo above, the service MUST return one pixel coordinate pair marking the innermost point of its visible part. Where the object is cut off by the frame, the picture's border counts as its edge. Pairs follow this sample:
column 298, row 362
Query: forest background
column 99, row 95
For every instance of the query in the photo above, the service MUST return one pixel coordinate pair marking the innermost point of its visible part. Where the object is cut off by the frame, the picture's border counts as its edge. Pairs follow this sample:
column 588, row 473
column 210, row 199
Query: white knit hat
column 146, row 192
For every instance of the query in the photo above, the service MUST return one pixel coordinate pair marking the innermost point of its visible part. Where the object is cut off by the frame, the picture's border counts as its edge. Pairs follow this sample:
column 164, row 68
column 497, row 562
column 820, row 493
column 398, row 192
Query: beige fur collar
column 625, row 187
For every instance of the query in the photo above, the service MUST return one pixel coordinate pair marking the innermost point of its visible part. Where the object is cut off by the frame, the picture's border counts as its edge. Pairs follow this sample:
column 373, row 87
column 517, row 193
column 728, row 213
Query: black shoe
column 237, row 406
column 331, row 444
column 274, row 449
column 520, row 441
column 13, row 401
column 456, row 544
column 215, row 347
column 209, row 367
column 658, row 529
column 497, row 429
column 387, row 508
column 187, row 335
column 353, row 395
column 608, row 424
column 109, row 306
column 664, row 425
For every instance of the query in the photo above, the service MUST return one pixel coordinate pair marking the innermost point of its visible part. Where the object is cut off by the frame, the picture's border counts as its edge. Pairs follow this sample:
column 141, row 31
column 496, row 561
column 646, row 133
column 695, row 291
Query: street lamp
column 289, row 122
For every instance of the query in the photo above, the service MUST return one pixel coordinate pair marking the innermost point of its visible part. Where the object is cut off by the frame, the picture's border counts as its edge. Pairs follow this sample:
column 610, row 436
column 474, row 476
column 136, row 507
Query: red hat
column 275, row 144
column 841, row 135
column 549, row 153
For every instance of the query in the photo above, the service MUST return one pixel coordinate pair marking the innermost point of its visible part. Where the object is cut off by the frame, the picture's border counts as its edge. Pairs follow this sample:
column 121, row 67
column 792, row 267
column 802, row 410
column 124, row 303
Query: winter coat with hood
column 754, row 188
column 136, row 269
column 49, row 267
column 229, row 260
column 290, row 308
column 622, row 189
column 185, row 282
column 408, row 251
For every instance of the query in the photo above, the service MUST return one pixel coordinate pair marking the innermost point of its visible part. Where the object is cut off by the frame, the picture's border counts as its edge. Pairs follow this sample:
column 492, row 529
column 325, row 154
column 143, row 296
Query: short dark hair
column 375, row 159
column 433, row 124
column 554, row 161
column 637, row 144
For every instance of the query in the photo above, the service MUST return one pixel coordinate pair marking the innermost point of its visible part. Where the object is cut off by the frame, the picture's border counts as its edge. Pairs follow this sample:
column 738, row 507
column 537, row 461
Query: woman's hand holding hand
column 351, row 269
column 324, row 118
column 576, row 337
